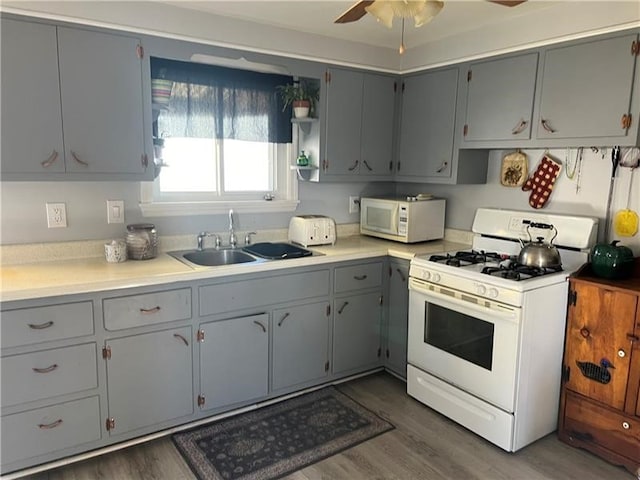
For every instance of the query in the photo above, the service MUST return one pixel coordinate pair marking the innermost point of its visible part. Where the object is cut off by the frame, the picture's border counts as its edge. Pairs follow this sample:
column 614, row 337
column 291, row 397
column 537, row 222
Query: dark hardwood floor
column 424, row 445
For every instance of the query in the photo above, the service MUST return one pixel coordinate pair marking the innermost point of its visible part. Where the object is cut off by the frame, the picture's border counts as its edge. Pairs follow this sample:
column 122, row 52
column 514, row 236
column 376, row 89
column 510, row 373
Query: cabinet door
column 101, row 89
column 500, row 98
column 150, row 378
column 234, row 360
column 597, row 332
column 31, row 112
column 427, row 124
column 300, row 344
column 377, row 126
column 397, row 322
column 343, row 122
column 356, row 332
column 582, row 97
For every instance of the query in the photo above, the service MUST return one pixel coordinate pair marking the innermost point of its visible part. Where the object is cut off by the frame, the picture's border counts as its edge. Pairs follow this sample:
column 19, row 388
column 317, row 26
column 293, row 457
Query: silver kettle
column 539, row 253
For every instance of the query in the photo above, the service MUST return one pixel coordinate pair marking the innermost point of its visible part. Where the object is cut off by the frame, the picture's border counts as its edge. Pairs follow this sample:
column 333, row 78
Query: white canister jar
column 115, row 251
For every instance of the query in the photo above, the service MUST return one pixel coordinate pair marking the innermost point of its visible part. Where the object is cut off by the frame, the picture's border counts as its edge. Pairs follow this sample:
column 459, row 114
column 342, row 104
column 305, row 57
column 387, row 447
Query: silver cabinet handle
column 45, row 370
column 40, row 326
column 78, row 159
column 51, row 160
column 519, row 128
column 342, row 307
column 264, row 329
column 184, row 340
column 442, row 167
column 283, row 318
column 46, row 426
column 546, row 126
column 402, row 277
column 360, row 277
column 367, row 165
column 147, row 311
column 353, row 167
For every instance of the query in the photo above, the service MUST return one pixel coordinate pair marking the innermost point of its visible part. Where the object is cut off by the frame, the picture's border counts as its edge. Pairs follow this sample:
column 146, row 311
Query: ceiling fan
column 422, row 11
column 385, row 10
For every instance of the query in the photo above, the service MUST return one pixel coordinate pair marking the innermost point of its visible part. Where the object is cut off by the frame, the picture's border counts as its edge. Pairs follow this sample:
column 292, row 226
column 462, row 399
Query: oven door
column 467, row 341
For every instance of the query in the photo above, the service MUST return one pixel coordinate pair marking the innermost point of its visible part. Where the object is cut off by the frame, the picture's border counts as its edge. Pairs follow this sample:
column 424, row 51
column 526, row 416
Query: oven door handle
column 452, row 303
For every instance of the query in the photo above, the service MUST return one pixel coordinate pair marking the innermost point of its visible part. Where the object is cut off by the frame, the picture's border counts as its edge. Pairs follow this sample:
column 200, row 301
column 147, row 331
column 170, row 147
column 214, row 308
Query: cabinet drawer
column 147, row 309
column 38, row 375
column 49, row 429
column 358, row 277
column 26, row 326
column 230, row 296
column 591, row 423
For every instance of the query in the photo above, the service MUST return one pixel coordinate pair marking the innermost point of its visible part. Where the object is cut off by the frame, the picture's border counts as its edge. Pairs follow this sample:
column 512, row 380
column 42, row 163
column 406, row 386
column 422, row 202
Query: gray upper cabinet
column 499, row 103
column 358, row 142
column 32, row 126
column 75, row 98
column 586, row 91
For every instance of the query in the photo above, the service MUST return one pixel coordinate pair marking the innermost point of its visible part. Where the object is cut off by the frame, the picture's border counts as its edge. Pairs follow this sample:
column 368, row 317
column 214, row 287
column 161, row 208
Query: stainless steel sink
column 214, row 258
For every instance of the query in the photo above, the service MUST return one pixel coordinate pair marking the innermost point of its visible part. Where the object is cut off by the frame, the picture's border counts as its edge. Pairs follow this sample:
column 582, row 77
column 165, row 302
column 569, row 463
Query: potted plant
column 301, row 95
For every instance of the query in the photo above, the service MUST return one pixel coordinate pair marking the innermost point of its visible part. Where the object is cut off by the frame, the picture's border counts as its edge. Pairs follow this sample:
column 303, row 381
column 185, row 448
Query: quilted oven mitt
column 542, row 181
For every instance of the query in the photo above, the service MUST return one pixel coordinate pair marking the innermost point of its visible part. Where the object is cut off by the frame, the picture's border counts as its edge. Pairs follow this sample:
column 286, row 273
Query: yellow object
column 625, row 223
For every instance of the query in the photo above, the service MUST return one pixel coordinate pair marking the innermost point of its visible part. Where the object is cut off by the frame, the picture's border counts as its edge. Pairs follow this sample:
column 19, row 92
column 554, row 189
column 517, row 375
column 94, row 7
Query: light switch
column 115, row 211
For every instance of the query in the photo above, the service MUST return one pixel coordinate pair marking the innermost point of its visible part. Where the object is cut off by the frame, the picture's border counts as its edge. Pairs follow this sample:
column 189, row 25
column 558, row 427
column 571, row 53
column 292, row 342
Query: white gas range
column 486, row 334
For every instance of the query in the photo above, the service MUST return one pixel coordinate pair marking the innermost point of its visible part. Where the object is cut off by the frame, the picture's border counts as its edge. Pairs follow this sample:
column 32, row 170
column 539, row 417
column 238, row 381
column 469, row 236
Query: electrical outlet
column 56, row 215
column 354, row 204
column 115, row 211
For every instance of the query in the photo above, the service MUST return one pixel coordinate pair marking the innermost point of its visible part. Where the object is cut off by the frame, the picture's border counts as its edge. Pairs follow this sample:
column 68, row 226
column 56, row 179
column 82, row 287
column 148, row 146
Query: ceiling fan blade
column 508, row 3
column 356, row 12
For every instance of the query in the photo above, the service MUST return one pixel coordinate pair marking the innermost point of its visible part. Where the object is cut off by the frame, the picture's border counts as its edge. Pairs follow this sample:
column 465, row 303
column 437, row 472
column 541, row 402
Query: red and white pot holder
column 542, row 181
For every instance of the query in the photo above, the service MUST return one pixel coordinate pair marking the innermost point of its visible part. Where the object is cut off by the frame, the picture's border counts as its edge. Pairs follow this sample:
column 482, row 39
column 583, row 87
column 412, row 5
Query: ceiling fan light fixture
column 382, row 11
column 430, row 9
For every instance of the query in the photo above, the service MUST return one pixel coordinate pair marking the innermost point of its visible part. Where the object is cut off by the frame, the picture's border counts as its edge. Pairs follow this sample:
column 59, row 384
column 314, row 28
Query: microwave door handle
column 394, row 227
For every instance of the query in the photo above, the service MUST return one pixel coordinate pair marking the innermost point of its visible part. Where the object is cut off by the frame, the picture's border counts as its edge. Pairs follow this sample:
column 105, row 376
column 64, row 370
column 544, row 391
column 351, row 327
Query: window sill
column 170, row 209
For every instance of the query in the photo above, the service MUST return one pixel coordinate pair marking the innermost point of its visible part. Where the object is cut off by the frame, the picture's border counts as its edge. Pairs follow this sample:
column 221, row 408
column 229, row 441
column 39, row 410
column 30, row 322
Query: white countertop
column 65, row 277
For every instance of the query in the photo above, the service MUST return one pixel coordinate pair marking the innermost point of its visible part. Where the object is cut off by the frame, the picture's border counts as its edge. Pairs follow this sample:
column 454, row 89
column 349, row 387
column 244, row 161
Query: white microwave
column 403, row 219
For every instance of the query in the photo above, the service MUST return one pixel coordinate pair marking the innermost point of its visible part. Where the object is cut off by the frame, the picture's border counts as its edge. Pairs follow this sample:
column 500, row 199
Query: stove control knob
column 426, row 275
column 493, row 292
column 481, row 289
column 436, row 277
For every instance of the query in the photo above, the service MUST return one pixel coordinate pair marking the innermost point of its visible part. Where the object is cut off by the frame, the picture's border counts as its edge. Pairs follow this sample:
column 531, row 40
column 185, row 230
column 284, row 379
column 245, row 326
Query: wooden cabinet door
column 377, row 126
column 427, row 124
column 398, row 314
column 500, row 98
column 586, row 89
column 300, row 344
column 356, row 332
column 101, row 90
column 598, row 331
column 234, row 360
column 343, row 122
column 150, row 378
column 31, row 112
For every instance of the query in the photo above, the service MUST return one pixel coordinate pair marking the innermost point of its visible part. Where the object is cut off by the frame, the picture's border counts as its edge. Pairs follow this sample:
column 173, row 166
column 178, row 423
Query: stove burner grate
column 464, row 258
column 517, row 271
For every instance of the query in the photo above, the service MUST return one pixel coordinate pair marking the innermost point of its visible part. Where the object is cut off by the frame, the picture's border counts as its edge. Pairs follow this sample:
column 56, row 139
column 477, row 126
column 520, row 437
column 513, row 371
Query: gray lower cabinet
column 76, row 104
column 356, row 332
column 234, row 361
column 587, row 89
column 300, row 345
column 397, row 317
column 149, row 378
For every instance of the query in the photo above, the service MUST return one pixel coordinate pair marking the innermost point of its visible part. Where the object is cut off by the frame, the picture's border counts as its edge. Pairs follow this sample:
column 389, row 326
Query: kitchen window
column 227, row 142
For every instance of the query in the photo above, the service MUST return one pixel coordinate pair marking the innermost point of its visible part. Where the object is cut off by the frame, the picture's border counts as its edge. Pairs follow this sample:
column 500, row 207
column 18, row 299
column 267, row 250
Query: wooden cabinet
column 150, row 379
column 359, row 112
column 601, row 368
column 76, row 104
column 397, row 317
column 427, row 153
column 499, row 102
column 300, row 345
column 234, row 361
column 587, row 89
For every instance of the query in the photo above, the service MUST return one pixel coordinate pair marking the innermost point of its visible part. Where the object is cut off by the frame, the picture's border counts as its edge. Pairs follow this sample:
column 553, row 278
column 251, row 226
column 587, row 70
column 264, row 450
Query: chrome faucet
column 203, row 235
column 233, row 241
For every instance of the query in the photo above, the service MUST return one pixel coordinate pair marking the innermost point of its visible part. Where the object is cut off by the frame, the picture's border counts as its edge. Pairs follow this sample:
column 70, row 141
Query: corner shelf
column 304, row 123
column 304, row 173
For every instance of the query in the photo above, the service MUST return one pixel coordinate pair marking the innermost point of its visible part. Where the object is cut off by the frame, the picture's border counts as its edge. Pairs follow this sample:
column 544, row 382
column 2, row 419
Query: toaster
column 309, row 230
